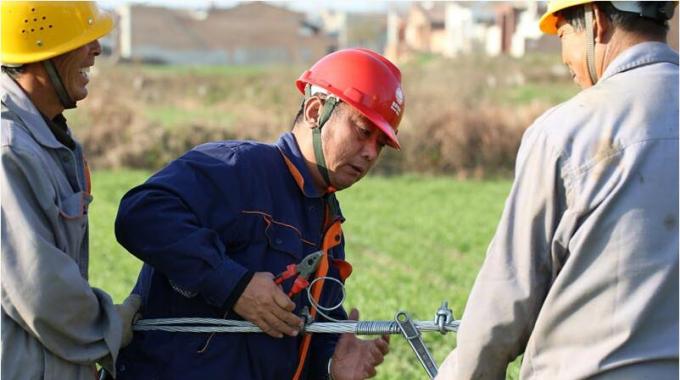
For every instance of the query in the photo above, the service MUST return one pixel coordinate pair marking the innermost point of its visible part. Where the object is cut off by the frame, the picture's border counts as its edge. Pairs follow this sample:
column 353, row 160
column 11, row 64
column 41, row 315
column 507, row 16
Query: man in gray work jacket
column 582, row 274
column 54, row 325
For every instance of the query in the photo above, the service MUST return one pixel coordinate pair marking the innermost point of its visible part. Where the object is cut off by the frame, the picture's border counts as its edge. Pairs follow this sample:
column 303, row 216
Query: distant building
column 470, row 29
column 262, row 33
column 246, row 34
column 425, row 27
column 452, row 28
column 520, row 33
column 354, row 29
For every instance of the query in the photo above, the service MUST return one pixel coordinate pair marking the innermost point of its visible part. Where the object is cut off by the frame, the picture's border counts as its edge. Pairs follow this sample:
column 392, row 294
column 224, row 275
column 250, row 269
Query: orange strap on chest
column 331, row 238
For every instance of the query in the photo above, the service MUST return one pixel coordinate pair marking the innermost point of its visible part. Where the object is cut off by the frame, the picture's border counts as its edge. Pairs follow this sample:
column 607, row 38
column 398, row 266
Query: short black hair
column 298, row 117
column 13, row 71
column 630, row 22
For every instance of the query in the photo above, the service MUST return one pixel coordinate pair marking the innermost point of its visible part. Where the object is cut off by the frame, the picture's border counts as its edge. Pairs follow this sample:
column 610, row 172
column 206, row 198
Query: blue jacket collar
column 15, row 99
column 290, row 150
column 639, row 55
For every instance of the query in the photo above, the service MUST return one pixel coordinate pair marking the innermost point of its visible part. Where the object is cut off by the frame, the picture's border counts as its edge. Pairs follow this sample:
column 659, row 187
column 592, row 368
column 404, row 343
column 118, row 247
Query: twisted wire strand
column 210, row 325
column 216, row 325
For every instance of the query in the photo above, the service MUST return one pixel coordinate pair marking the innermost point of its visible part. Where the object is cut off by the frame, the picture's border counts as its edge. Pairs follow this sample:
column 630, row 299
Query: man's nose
column 371, row 149
column 95, row 48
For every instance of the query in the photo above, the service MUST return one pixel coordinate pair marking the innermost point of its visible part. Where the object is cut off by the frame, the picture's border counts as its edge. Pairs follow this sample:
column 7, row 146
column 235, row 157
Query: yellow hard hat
column 655, row 10
column 34, row 31
column 548, row 22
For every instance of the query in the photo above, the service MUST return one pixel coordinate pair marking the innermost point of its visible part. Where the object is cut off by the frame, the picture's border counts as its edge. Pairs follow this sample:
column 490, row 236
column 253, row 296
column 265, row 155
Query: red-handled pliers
column 303, row 270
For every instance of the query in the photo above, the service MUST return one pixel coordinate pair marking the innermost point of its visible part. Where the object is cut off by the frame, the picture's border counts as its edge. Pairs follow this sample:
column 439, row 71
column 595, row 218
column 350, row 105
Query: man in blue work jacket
column 215, row 225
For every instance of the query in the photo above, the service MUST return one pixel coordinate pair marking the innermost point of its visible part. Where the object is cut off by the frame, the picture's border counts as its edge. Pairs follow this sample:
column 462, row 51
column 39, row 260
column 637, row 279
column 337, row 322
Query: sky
column 308, row 6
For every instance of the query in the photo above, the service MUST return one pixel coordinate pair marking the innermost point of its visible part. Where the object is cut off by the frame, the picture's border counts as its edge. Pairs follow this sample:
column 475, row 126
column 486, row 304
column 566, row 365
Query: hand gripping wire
column 443, row 322
column 210, row 325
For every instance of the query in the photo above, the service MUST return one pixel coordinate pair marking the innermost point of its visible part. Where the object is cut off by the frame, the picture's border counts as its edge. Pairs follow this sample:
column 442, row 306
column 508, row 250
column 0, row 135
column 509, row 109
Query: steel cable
column 215, row 325
column 210, row 325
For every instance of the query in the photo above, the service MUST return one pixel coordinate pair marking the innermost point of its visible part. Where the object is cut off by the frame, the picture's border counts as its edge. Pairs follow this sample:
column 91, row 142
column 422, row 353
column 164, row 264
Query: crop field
column 413, row 241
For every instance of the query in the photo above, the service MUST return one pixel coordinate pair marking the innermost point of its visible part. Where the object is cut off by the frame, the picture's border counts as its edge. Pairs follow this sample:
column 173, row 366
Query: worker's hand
column 266, row 305
column 127, row 311
column 356, row 359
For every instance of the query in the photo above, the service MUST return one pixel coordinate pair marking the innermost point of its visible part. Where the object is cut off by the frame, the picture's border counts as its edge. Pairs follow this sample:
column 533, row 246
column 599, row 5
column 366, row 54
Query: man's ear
column 312, row 110
column 601, row 25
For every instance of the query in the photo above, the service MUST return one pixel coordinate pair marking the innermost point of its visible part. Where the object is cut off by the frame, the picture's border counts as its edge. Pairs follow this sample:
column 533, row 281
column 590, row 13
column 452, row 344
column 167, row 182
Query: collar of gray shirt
column 16, row 100
column 639, row 55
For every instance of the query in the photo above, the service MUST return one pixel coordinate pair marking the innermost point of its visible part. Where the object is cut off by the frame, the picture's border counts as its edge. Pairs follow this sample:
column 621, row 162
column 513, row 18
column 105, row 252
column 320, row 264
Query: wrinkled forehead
column 355, row 115
column 358, row 119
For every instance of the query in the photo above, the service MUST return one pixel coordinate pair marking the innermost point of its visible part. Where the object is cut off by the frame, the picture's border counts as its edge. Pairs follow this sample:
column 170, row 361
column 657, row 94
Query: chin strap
column 328, row 107
column 58, row 85
column 590, row 44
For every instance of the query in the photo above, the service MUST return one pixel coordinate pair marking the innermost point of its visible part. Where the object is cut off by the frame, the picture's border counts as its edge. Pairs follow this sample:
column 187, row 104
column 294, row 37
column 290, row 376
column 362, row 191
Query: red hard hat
column 365, row 80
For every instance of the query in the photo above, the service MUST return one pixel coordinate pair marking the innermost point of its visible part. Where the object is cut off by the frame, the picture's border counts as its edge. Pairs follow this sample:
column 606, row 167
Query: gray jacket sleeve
column 510, row 288
column 43, row 290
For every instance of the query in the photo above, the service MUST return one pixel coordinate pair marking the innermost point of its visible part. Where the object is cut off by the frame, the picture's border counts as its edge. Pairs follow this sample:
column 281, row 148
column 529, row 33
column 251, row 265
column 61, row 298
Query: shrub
column 463, row 117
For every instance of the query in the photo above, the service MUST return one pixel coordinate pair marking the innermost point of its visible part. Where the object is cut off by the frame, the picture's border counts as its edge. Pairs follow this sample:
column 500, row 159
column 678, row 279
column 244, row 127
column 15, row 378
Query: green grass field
column 413, row 242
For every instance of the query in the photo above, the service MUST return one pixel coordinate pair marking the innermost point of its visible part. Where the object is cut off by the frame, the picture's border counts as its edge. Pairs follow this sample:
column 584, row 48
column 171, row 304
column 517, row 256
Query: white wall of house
column 393, row 21
column 492, row 45
column 335, row 23
column 125, row 28
column 527, row 28
column 459, row 30
column 417, row 31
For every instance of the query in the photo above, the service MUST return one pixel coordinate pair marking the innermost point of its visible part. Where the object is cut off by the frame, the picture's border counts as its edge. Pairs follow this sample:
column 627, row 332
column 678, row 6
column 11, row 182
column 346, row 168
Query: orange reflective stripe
column 331, row 238
column 294, row 172
column 307, row 339
column 344, row 268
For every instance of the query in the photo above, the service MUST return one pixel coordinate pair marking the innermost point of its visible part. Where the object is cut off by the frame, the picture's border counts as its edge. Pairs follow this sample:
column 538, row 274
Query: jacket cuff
column 238, row 290
column 222, row 282
column 320, row 354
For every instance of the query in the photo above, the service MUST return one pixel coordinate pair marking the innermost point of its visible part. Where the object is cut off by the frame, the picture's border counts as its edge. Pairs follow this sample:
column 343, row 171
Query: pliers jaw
column 304, row 269
column 309, row 264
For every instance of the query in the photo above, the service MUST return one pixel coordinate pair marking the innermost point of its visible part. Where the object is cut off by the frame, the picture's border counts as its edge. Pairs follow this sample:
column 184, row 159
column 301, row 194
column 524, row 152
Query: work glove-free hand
column 127, row 311
column 357, row 359
column 267, row 306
